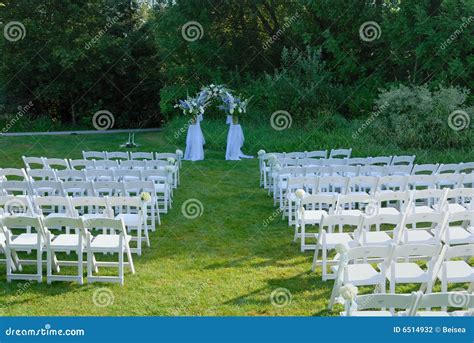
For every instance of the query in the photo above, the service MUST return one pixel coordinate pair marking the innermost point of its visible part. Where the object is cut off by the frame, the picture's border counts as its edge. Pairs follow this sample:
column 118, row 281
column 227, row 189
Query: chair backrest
column 429, row 196
column 132, row 164
column 399, row 169
column 53, row 204
column 71, row 175
column 90, row 205
column 403, row 160
column 135, row 188
column 447, row 180
column 372, row 170
column 56, row 163
column 465, row 250
column 366, row 184
column 96, row 155
column 378, row 301
column 373, row 251
column 13, row 174
column 392, row 220
column 380, row 160
column 42, row 188
column 295, row 155
column 155, row 175
column 318, row 171
column 108, row 188
column 99, row 175
column 81, row 164
column 357, row 161
column 69, row 222
column 468, row 180
column 42, row 175
column 166, row 155
column 341, row 220
column 15, row 205
column 127, row 175
column 353, row 201
column 341, row 153
column 156, row 164
column 421, row 250
column 448, row 168
column 346, row 170
column 319, row 202
column 434, row 218
column 141, row 156
column 15, row 188
column 399, row 199
column 392, row 182
column 427, row 169
column 117, row 155
column 106, row 164
column 307, row 183
column 332, row 183
column 311, row 162
column 467, row 168
column 446, row 299
column 114, row 225
column 332, row 161
column 317, row 154
column 78, row 188
column 33, row 162
column 34, row 223
column 418, row 181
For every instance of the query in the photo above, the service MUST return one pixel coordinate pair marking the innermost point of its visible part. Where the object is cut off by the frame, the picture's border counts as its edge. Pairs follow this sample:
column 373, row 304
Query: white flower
column 300, row 193
column 145, row 196
column 171, row 160
column 261, row 152
column 348, row 292
column 231, row 111
column 341, row 249
column 179, row 153
column 169, row 169
column 276, row 167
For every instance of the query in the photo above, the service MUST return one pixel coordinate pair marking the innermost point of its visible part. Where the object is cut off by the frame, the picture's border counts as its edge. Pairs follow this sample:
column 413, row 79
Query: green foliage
column 417, row 117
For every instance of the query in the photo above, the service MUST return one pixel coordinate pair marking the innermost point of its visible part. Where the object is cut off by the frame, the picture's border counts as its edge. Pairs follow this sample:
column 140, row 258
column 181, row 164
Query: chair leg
column 39, row 264
column 315, row 258
column 49, row 267
column 129, row 258
column 80, row 267
column 334, row 293
column 120, row 266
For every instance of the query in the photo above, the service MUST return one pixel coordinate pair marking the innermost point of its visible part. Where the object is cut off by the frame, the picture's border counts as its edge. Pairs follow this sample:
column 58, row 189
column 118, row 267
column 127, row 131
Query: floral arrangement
column 214, row 91
column 300, row 193
column 171, row 160
column 193, row 106
column 231, row 104
column 261, row 153
column 341, row 249
column 179, row 153
column 145, row 196
column 348, row 292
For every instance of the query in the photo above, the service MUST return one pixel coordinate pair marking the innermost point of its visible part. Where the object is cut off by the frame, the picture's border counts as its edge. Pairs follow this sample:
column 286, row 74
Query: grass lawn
column 225, row 262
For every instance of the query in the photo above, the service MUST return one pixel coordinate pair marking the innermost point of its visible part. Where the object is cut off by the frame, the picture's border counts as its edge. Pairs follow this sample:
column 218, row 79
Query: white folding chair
column 117, row 155
column 317, row 154
column 403, row 160
column 156, row 164
column 42, row 175
column 25, row 242
column 78, row 188
column 81, row 164
column 427, row 200
column 99, row 175
column 346, row 170
column 141, row 156
column 319, row 171
column 381, row 302
column 373, row 170
column 332, row 184
column 455, row 267
column 90, row 207
column 47, row 188
column 444, row 300
column 340, row 153
column 362, row 185
column 404, row 270
column 33, row 162
column 332, row 161
column 295, row 154
column 162, row 181
column 53, row 206
column 380, row 229
column 312, row 209
column 467, row 180
column 166, row 155
column 459, row 200
column 16, row 205
column 380, row 160
column 15, row 188
column 108, row 188
column 446, row 180
column 133, row 164
column 423, row 228
column 106, row 164
column 136, row 188
column 132, row 210
column 357, row 161
column 56, row 163
column 328, row 239
column 392, row 183
column 127, row 175
column 452, row 168
column 68, row 237
column 421, row 181
column 355, row 267
column 70, row 175
column 466, row 168
column 391, row 202
column 426, row 169
column 115, row 241
column 354, row 204
column 13, row 174
column 457, row 230
column 308, row 184
column 311, row 162
column 95, row 155
column 399, row 169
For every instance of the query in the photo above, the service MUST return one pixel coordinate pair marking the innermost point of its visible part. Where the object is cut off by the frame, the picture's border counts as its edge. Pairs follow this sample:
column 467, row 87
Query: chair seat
column 456, row 208
column 351, row 212
column 462, row 313
column 94, row 215
column 361, row 274
column 418, row 236
column 458, row 235
column 457, row 271
column 56, row 215
column 160, row 187
column 129, row 219
column 2, row 238
column 333, row 239
column 65, row 241
column 388, row 210
column 376, row 238
column 105, row 242
column 422, row 209
column 409, row 272
column 25, row 239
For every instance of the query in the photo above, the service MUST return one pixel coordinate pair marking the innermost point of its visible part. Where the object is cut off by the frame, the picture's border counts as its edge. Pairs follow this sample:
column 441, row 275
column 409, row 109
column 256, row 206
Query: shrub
column 418, row 117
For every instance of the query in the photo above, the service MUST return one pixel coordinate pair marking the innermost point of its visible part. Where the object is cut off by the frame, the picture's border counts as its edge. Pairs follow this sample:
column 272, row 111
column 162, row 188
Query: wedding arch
column 195, row 107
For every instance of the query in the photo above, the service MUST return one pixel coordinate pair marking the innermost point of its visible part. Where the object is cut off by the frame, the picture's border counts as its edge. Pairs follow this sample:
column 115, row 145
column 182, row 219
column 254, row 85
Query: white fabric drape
column 235, row 141
column 195, row 141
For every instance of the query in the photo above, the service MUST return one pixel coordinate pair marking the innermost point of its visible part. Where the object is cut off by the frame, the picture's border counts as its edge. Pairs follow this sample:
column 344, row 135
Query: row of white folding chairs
column 158, row 189
column 333, row 153
column 68, row 234
column 398, row 265
column 126, row 155
column 414, row 304
column 429, row 205
column 286, row 186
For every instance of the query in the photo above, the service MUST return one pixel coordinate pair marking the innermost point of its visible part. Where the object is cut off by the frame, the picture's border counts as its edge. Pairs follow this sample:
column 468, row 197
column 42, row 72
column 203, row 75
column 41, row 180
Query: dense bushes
column 417, row 117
